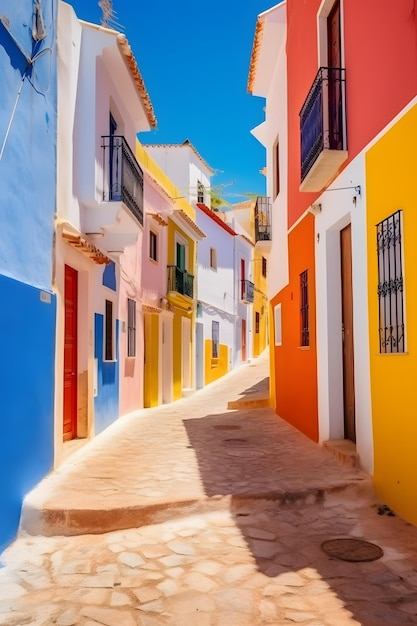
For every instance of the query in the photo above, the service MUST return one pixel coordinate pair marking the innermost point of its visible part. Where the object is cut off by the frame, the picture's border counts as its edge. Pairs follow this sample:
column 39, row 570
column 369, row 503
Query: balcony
column 263, row 223
column 180, row 281
column 123, row 177
column 246, row 291
column 323, row 129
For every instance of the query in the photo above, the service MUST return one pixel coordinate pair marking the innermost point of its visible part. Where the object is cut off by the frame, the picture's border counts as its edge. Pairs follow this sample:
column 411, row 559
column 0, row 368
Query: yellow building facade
column 169, row 333
column 391, row 166
column 260, row 304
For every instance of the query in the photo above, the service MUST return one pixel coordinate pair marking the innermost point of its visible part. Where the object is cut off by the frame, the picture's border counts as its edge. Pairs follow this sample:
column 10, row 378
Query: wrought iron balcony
column 246, row 291
column 262, row 219
column 123, row 176
column 323, row 129
column 180, row 281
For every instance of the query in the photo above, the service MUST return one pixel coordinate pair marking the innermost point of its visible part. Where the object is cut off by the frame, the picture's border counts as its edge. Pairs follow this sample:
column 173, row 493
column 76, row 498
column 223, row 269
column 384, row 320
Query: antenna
column 109, row 15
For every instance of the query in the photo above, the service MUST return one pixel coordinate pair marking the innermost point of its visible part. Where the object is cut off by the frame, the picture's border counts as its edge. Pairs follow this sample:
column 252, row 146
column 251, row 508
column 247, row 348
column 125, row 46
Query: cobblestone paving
column 217, row 519
column 257, row 564
column 191, row 453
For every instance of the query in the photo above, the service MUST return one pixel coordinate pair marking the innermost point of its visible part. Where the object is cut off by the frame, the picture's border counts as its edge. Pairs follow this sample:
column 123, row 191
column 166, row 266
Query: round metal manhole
column 355, row 550
column 245, row 453
column 236, row 442
column 227, row 427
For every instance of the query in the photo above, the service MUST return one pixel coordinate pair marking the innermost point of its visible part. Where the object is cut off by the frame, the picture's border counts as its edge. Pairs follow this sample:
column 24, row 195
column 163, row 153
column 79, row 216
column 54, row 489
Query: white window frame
column 183, row 242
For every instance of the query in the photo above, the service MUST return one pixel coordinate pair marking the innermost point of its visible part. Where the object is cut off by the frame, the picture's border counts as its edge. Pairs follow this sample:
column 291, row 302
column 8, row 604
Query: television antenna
column 109, row 15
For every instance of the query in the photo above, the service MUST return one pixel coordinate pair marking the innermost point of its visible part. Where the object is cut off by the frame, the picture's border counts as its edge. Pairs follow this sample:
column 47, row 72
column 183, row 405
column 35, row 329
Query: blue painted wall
column 27, row 207
column 27, row 396
column 28, row 161
column 106, row 403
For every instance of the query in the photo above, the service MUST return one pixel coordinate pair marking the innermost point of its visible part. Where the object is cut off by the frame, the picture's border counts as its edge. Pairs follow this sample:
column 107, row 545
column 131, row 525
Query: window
column 131, row 327
column 390, row 285
column 278, row 325
column 180, row 256
column 305, row 332
column 257, row 321
column 213, row 258
column 276, row 169
column 200, row 192
column 215, row 340
column 264, row 267
column 108, row 332
column 153, row 245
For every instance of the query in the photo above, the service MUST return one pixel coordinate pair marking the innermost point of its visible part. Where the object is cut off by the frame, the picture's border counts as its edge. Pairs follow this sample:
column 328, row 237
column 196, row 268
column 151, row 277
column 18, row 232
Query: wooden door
column 347, row 334
column 243, row 340
column 334, row 53
column 70, row 354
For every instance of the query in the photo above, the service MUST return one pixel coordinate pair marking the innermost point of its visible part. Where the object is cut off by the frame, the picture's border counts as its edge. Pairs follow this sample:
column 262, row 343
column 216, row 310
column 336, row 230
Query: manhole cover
column 245, row 453
column 235, row 442
column 227, row 427
column 352, row 550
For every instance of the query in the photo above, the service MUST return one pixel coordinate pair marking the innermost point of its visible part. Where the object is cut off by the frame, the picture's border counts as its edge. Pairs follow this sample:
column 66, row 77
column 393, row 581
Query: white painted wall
column 216, row 287
column 243, row 250
column 272, row 84
column 181, row 164
column 338, row 210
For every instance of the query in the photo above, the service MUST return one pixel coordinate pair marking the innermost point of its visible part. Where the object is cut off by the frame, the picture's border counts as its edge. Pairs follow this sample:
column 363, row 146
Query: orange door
column 70, row 354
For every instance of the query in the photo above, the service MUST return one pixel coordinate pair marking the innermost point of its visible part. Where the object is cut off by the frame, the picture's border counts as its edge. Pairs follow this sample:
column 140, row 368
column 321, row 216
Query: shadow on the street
column 259, row 388
column 276, row 483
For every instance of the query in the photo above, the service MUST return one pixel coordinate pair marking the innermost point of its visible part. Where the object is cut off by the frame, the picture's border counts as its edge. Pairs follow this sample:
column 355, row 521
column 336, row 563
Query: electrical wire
column 30, row 64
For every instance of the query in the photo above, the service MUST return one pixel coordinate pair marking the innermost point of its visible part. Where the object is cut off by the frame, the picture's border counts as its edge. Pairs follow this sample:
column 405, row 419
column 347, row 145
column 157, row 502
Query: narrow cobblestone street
column 205, row 516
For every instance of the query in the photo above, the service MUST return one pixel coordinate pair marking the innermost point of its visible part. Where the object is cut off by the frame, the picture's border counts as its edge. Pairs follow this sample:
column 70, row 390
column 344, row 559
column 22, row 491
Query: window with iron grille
column 390, row 285
column 305, row 332
column 257, row 322
column 200, row 192
column 215, row 340
column 264, row 267
column 153, row 245
column 108, row 332
column 131, row 327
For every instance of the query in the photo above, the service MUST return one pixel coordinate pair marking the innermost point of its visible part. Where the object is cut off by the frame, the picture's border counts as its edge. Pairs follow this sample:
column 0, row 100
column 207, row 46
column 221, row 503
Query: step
column 45, row 521
column 249, row 403
column 344, row 451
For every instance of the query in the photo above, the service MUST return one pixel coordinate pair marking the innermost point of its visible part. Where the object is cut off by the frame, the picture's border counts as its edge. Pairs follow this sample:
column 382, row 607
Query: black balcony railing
column 180, row 281
column 246, row 291
column 262, row 219
column 322, row 119
column 123, row 177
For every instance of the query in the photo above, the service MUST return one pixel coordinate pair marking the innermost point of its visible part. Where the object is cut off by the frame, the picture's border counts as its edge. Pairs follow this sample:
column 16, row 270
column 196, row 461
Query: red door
column 70, row 354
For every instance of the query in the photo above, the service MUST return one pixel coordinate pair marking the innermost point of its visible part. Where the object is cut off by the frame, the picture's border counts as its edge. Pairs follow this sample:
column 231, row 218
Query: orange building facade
column 334, row 74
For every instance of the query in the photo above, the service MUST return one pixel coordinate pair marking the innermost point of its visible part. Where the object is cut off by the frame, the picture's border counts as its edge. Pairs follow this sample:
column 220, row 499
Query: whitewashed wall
column 339, row 208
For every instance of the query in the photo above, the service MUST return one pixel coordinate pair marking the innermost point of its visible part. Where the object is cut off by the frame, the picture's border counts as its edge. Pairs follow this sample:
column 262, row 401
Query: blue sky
column 194, row 57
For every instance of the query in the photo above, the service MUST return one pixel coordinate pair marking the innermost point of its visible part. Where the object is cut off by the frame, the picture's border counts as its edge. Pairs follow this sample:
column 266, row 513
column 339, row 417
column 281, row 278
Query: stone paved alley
column 206, row 516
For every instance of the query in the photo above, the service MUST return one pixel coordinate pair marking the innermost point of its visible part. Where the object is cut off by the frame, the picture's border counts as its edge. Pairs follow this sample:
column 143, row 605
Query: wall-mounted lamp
column 315, row 209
